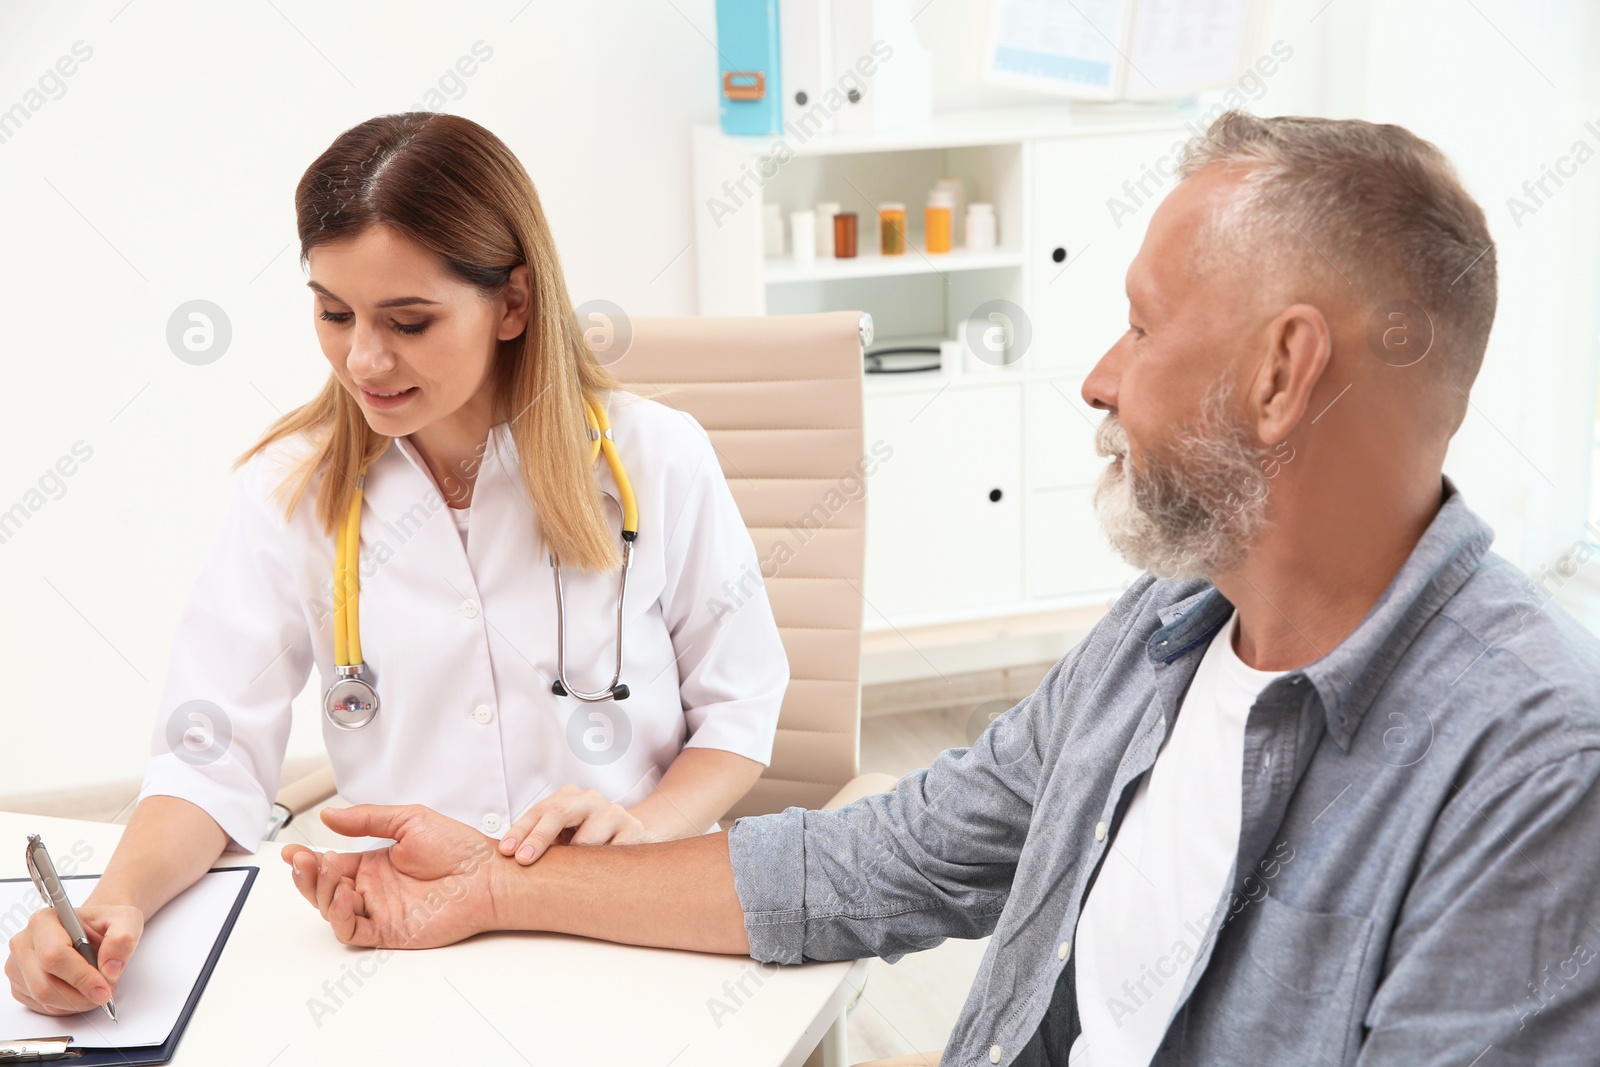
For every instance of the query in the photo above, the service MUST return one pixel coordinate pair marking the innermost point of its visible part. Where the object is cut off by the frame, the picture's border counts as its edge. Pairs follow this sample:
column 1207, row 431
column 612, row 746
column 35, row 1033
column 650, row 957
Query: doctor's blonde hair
column 452, row 187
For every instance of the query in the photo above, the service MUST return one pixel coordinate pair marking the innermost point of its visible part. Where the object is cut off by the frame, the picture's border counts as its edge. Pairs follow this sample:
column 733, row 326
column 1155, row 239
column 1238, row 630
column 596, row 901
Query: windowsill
column 1581, row 598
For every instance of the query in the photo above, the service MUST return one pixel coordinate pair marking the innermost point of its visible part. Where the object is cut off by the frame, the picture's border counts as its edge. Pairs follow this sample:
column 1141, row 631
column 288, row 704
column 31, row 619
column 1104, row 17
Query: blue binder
column 147, row 1055
column 750, row 93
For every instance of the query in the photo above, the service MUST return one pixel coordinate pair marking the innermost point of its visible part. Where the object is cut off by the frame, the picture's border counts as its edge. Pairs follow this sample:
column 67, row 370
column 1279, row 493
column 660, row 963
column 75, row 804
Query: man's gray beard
column 1191, row 516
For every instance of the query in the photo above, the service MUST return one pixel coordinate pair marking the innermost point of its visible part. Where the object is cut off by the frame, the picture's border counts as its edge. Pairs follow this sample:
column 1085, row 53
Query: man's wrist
column 510, row 889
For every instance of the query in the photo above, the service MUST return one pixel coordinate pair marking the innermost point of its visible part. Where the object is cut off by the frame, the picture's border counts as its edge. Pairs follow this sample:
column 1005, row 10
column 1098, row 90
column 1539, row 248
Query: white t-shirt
column 462, row 516
column 1168, row 867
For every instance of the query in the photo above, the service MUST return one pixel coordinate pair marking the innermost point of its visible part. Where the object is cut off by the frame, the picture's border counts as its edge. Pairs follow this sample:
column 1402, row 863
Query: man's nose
column 1100, row 385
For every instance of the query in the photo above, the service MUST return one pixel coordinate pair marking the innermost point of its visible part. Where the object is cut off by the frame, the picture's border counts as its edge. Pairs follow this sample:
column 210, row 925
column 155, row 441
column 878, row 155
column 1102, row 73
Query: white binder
column 805, row 43
column 898, row 94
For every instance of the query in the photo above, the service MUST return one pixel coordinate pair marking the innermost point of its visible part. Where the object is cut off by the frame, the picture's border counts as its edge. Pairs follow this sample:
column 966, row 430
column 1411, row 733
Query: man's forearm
column 668, row 894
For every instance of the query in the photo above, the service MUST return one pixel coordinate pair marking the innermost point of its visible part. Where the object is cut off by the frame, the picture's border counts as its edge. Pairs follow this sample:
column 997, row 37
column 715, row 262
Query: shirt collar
column 499, row 443
column 1349, row 676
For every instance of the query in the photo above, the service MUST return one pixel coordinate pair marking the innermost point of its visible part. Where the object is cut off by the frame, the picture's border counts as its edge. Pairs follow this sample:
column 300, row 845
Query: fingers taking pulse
column 583, row 816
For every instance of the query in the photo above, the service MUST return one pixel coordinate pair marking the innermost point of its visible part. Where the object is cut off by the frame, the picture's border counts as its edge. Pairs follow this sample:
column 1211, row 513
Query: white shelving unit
column 984, row 511
column 916, row 261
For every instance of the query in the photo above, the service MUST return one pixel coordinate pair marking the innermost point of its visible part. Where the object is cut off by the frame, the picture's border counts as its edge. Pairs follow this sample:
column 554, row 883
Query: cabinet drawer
column 944, row 512
column 1058, row 435
column 1093, row 198
column 1067, row 554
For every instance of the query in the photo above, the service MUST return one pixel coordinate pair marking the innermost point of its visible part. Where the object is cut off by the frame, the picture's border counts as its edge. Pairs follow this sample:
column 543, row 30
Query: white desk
column 501, row 998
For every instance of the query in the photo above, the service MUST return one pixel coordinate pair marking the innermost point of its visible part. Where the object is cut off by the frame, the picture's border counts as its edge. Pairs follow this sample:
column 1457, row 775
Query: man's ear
column 1299, row 346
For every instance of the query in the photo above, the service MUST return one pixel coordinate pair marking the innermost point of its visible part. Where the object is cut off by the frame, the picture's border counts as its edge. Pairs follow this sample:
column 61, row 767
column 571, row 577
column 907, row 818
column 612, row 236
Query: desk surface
column 501, row 998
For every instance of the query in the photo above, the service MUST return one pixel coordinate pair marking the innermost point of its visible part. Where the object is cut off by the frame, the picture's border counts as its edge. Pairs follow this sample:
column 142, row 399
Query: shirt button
column 1099, row 831
column 1066, row 947
column 994, row 1053
column 483, row 713
column 469, row 608
column 490, row 823
column 1161, row 721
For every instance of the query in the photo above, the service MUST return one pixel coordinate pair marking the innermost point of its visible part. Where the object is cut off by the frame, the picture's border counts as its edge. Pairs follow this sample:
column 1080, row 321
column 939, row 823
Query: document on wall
column 1056, row 47
column 164, row 978
column 1184, row 45
column 1119, row 49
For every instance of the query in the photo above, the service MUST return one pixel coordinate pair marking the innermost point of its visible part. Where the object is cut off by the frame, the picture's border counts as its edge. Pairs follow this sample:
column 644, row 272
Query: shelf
column 968, row 127
column 915, row 261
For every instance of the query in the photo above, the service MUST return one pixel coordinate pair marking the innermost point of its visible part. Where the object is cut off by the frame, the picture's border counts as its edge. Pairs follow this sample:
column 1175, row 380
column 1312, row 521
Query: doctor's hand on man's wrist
column 574, row 816
column 432, row 887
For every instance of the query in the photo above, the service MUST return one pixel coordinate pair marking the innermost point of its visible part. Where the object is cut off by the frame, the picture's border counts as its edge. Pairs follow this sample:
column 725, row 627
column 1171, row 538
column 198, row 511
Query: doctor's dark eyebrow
column 397, row 302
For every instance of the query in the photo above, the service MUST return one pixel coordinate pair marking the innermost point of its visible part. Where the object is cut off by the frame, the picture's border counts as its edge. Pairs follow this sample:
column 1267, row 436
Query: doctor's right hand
column 47, row 974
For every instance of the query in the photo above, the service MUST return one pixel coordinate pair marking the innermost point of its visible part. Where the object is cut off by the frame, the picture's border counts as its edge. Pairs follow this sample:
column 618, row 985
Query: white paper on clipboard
column 172, row 955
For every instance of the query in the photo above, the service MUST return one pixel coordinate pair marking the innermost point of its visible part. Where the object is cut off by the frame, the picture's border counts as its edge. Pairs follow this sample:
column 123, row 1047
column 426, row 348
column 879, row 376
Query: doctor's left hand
column 589, row 816
column 429, row 888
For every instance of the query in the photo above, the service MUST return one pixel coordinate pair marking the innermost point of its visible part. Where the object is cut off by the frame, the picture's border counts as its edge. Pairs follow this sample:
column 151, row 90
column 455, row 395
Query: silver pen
column 45, row 879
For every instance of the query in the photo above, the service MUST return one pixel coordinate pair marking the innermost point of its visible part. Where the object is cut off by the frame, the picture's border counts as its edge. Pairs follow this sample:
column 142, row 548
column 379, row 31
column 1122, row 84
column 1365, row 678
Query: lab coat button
column 1099, row 831
column 1066, row 947
column 483, row 713
column 490, row 823
column 469, row 608
column 994, row 1054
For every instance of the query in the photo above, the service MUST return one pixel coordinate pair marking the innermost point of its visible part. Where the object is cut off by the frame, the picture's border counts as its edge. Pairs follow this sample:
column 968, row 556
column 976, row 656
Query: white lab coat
column 461, row 642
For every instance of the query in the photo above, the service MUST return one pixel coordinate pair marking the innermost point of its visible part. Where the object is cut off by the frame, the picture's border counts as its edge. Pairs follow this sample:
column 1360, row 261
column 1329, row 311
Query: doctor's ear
column 515, row 303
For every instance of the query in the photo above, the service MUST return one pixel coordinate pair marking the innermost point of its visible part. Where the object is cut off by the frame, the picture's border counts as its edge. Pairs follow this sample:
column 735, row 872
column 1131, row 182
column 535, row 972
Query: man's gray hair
column 1362, row 204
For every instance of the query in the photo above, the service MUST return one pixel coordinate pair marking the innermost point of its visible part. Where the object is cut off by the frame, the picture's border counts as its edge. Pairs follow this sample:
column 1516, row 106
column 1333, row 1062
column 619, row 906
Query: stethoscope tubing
column 351, row 702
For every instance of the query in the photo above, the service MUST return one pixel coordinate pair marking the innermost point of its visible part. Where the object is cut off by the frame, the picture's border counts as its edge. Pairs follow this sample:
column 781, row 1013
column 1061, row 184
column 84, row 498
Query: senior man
column 1319, row 788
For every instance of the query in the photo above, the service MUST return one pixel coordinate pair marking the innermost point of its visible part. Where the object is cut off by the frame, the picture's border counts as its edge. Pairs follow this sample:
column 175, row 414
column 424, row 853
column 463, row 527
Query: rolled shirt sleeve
column 898, row 872
column 732, row 667
column 241, row 653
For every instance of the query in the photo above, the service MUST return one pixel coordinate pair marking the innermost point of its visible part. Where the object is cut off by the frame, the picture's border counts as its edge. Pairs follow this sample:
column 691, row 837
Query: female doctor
column 468, row 443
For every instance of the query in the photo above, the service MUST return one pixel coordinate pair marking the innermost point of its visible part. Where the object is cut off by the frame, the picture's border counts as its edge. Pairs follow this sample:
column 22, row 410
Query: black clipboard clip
column 38, row 1050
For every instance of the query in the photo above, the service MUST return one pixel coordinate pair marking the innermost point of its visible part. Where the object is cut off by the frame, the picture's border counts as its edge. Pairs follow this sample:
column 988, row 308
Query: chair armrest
column 861, row 785
column 306, row 793
column 916, row 1059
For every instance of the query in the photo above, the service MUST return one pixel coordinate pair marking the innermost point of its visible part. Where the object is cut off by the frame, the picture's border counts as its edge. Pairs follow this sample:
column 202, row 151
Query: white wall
column 165, row 172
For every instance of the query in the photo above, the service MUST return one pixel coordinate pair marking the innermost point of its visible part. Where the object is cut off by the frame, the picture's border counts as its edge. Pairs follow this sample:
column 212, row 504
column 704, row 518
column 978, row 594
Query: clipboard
column 49, row 1033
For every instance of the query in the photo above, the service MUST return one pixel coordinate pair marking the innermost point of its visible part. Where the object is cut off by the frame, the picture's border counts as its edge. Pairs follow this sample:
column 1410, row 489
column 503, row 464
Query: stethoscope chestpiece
column 350, row 703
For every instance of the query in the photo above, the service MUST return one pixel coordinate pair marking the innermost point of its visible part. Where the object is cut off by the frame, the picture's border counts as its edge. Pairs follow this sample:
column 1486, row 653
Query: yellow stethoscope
column 351, row 702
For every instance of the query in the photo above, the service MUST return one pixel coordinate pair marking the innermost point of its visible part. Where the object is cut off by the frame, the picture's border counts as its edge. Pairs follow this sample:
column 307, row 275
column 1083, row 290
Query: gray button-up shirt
column 1418, row 874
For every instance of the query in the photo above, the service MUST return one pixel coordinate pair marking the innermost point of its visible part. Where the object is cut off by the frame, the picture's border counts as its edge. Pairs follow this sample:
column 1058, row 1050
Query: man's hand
column 430, row 888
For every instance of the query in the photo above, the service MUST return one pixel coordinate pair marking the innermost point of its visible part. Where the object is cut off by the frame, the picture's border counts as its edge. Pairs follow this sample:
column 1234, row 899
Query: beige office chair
column 780, row 396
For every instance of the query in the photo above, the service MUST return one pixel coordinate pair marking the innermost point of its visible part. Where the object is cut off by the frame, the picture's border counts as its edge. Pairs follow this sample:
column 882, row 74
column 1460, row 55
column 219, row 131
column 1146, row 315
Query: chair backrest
column 780, row 396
